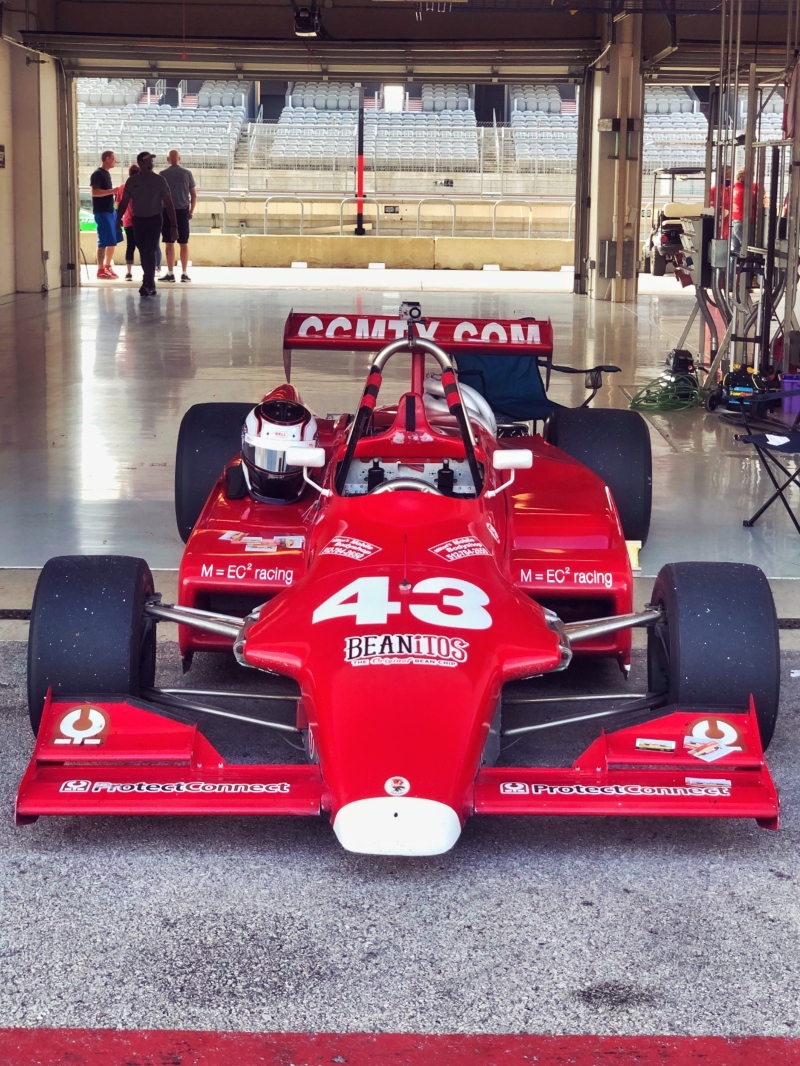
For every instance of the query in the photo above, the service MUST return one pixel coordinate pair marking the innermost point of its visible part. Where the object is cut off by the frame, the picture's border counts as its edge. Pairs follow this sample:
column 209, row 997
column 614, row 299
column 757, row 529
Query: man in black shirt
column 149, row 194
column 103, row 207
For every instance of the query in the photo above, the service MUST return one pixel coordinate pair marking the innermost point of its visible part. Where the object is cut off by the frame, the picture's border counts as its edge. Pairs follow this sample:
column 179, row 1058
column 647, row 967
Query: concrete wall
column 30, row 200
column 510, row 253
column 401, row 253
column 6, row 175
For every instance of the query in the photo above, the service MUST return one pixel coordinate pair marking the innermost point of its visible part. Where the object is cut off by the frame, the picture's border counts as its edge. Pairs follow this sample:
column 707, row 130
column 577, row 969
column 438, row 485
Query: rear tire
column 88, row 633
column 210, row 436
column 615, row 445
column 719, row 642
column 659, row 264
column 646, row 264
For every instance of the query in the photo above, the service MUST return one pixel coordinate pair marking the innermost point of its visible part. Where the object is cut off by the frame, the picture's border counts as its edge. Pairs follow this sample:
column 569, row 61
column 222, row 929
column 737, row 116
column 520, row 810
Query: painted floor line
column 110, row 1047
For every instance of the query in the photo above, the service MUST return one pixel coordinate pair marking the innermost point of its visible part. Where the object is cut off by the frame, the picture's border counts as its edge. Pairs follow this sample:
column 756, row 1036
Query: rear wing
column 456, row 336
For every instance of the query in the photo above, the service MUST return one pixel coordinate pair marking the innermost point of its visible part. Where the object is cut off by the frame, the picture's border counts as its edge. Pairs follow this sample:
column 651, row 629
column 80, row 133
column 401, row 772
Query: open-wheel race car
column 390, row 574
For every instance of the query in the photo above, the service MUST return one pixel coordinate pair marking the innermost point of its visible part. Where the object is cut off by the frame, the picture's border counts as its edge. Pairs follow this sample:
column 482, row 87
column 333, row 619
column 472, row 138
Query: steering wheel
column 413, row 484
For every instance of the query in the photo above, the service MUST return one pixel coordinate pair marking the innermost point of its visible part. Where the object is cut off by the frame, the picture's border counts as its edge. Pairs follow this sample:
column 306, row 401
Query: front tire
column 89, row 634
column 209, row 437
column 718, row 642
column 659, row 264
column 615, row 445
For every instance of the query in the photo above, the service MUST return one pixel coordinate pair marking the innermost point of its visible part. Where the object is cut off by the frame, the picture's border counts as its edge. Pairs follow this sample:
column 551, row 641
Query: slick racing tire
column 210, row 436
column 615, row 445
column 718, row 641
column 659, row 265
column 89, row 635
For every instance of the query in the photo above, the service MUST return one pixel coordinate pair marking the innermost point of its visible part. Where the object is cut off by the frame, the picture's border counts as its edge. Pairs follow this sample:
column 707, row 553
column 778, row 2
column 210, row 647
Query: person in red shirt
column 726, row 201
column 737, row 208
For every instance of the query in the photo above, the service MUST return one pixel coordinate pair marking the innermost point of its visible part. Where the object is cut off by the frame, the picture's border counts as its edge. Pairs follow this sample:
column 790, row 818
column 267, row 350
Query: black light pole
column 359, row 230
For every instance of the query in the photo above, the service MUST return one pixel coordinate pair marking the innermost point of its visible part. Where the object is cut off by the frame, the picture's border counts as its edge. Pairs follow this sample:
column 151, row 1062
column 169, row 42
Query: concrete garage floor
column 563, row 926
column 93, row 385
column 543, row 926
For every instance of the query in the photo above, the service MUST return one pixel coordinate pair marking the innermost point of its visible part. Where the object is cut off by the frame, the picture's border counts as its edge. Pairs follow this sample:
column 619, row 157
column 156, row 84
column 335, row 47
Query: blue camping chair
column 513, row 386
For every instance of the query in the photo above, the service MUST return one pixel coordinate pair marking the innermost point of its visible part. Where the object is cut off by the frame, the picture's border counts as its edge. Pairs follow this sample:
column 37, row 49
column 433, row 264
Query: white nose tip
column 401, row 825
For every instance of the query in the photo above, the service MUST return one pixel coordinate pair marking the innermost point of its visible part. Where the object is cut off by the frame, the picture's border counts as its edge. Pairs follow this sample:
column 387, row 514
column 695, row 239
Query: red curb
column 111, row 1047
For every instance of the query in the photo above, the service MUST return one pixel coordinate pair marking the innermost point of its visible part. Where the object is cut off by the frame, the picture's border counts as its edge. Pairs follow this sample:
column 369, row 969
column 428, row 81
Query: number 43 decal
column 462, row 604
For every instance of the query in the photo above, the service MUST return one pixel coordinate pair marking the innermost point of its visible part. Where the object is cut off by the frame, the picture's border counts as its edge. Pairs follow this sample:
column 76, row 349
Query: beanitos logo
column 415, row 649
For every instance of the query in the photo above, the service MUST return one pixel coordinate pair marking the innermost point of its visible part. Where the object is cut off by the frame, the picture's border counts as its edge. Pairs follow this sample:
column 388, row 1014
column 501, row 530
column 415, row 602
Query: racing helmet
column 276, row 424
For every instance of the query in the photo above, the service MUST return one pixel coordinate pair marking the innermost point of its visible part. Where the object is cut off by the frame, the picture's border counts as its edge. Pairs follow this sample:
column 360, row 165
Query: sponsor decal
column 459, row 548
column 85, row 724
column 168, row 787
column 397, row 786
column 643, row 744
column 493, row 531
column 254, row 543
column 350, row 548
column 517, row 788
column 397, row 649
column 712, row 738
column 513, row 788
column 374, row 328
column 563, row 575
column 248, row 572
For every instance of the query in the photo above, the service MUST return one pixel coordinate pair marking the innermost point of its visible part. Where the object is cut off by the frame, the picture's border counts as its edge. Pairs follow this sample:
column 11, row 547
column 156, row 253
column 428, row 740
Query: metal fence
column 506, row 216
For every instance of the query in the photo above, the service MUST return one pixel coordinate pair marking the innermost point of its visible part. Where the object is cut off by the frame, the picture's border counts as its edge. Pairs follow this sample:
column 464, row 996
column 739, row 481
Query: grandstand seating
column 673, row 138
column 204, row 137
column 442, row 137
column 223, row 94
column 323, row 96
column 100, row 92
column 667, row 100
column 546, row 99
column 544, row 138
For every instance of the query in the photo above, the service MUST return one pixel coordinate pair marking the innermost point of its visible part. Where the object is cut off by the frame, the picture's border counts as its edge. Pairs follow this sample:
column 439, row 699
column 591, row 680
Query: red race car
column 397, row 569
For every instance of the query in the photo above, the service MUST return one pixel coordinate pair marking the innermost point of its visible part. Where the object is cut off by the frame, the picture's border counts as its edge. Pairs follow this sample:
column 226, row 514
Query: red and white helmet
column 279, row 422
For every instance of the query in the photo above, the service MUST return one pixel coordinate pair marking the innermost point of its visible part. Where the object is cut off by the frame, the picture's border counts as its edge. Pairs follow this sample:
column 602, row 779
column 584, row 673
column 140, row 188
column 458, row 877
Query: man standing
column 150, row 196
column 103, row 208
column 184, row 197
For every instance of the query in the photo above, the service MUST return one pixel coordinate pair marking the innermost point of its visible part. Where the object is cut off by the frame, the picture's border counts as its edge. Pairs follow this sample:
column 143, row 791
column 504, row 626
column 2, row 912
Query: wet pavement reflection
column 93, row 385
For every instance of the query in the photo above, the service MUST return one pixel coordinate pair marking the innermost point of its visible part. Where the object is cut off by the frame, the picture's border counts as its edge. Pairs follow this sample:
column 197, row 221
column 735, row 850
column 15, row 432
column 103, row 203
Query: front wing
column 699, row 762
column 121, row 756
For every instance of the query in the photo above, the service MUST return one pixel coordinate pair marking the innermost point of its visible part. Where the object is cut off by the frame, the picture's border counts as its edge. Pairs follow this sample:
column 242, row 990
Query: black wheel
column 615, row 445
column 646, row 264
column 718, row 643
column 88, row 633
column 712, row 400
column 659, row 264
column 209, row 437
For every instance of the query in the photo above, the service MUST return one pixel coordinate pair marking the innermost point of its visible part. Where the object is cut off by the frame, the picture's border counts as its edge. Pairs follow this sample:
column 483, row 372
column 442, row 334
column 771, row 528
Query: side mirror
column 308, row 457
column 305, row 457
column 512, row 459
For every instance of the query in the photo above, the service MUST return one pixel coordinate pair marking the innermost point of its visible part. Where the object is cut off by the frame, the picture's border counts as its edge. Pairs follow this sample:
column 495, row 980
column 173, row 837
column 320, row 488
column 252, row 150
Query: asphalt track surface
column 543, row 926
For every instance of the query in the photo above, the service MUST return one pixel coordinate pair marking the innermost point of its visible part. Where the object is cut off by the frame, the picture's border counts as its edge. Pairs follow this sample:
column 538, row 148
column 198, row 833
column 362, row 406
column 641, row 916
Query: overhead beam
column 89, row 54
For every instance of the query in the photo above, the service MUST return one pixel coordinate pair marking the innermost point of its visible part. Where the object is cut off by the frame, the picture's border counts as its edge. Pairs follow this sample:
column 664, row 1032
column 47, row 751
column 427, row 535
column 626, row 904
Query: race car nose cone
column 390, row 825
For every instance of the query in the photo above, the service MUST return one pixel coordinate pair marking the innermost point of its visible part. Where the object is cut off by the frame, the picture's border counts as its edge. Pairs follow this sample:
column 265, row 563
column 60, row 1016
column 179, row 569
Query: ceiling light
column 307, row 22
